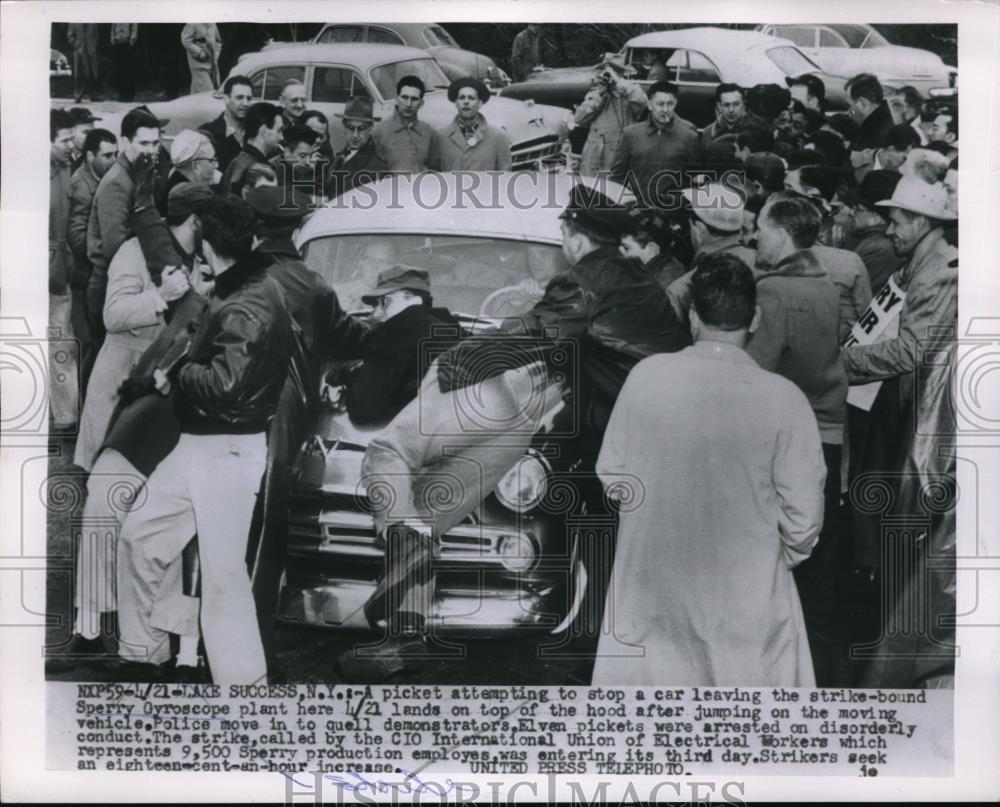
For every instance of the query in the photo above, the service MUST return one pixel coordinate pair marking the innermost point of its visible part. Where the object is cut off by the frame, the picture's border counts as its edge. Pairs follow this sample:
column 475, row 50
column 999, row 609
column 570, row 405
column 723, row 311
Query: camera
column 607, row 79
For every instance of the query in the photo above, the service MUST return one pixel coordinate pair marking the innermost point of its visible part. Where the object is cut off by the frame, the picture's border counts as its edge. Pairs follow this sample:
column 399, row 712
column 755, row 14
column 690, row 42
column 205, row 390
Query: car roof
column 363, row 55
column 411, row 204
column 724, row 46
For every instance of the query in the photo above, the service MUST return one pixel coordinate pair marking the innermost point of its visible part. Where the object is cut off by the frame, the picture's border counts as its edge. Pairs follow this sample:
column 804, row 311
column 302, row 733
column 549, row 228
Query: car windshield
column 791, row 60
column 472, row 275
column 427, row 70
column 860, row 36
column 436, row 35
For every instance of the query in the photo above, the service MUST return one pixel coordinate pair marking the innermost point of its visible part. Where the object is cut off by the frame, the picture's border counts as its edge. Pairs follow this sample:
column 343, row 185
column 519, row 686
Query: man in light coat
column 469, row 143
column 610, row 105
column 702, row 592
column 203, row 44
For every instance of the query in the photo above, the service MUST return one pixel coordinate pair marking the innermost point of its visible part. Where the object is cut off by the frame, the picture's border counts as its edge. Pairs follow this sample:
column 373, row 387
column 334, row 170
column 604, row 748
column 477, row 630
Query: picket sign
column 879, row 323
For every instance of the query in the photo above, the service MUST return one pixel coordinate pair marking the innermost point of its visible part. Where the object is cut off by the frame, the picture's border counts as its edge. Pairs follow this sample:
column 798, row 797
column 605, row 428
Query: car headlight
column 517, row 552
column 524, row 485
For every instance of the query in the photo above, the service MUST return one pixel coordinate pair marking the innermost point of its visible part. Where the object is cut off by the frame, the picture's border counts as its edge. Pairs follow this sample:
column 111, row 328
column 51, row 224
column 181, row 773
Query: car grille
column 539, row 153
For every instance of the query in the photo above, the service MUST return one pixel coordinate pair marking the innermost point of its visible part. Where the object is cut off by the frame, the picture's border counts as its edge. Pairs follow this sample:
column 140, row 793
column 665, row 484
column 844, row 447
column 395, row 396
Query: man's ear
column 755, row 322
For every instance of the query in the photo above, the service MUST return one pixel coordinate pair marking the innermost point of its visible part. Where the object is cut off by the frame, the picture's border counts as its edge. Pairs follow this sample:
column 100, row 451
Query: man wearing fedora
column 405, row 321
column 469, row 143
column 358, row 163
column 916, row 368
column 610, row 105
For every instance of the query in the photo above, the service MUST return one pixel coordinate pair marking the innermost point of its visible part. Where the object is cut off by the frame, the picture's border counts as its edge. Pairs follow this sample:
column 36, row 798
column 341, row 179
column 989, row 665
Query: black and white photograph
column 465, row 362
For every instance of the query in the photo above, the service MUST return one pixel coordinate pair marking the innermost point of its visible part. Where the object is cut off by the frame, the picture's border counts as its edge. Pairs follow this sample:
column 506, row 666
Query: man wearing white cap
column 919, row 362
column 193, row 157
column 716, row 223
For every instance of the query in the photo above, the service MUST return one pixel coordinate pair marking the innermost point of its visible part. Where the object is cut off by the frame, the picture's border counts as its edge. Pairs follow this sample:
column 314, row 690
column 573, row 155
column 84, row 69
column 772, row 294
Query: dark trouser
column 817, row 577
column 123, row 57
column 81, row 331
column 97, row 288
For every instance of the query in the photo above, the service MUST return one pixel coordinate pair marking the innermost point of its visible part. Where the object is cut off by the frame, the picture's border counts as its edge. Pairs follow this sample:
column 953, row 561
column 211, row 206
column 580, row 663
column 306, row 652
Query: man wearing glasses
column 358, row 163
column 193, row 157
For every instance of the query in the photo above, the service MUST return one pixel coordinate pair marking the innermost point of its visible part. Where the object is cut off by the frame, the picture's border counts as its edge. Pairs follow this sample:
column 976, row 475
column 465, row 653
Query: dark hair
column 138, row 119
column 755, row 138
column 293, row 135
column 228, row 224
column 662, row 86
column 259, row 114
column 902, row 136
column 723, row 292
column 176, row 219
column 598, row 238
column 663, row 237
column 92, row 142
column 309, row 114
column 911, row 97
column 256, row 172
column 949, row 111
column 830, row 146
column 59, row 119
column 821, row 178
column 232, row 81
column 768, row 100
column 729, row 87
column 865, row 85
column 843, row 124
column 411, row 81
column 814, row 119
column 797, row 216
column 941, row 147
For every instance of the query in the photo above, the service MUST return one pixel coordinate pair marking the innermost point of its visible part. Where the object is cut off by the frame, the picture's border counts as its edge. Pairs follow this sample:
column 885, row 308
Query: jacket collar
column 367, row 149
column 931, row 242
column 399, row 125
column 603, row 253
column 652, row 128
column 799, row 264
column 254, row 152
column 237, row 275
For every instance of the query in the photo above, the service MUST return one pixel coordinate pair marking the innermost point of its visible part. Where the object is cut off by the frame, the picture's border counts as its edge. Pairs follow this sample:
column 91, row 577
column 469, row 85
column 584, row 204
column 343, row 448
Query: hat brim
column 355, row 117
column 940, row 215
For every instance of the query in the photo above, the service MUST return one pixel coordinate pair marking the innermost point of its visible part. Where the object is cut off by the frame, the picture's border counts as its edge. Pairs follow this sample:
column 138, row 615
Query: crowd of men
column 802, row 253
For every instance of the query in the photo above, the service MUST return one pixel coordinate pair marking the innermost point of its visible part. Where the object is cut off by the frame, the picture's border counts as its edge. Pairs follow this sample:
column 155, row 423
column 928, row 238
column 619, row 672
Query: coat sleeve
column 191, row 32
column 591, row 106
column 799, row 474
column 79, row 214
column 636, row 99
column 768, row 341
column 613, row 458
column 622, row 160
column 128, row 305
column 861, row 291
column 930, row 296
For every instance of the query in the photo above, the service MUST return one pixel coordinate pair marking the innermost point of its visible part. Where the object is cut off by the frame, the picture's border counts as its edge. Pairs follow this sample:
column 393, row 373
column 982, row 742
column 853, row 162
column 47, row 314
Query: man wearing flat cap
column 358, row 163
column 469, row 143
column 193, row 158
column 611, row 104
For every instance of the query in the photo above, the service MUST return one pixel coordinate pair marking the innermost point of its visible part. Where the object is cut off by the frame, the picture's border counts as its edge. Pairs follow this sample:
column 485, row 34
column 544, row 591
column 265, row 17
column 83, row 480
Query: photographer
column 610, row 105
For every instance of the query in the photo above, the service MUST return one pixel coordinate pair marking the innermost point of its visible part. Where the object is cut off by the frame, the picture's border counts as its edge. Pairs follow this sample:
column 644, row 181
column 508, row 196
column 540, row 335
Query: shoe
column 185, row 673
column 372, row 665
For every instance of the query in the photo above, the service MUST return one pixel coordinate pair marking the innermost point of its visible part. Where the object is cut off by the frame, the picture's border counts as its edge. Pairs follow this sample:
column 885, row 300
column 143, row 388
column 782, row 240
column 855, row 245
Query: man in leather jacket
column 227, row 392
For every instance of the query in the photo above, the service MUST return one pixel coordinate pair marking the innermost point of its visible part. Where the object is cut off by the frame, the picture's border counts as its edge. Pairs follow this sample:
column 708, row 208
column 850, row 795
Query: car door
column 697, row 78
column 268, row 81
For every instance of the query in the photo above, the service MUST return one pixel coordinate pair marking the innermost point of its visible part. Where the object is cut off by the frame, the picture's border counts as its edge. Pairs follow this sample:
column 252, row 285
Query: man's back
column 798, row 336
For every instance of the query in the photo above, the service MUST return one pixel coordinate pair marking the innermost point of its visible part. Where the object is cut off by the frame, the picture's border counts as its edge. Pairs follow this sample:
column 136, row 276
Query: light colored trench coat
column 727, row 468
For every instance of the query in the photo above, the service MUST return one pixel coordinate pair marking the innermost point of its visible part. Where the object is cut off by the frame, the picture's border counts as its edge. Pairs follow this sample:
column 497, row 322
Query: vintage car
column 512, row 564
column 846, row 49
column 335, row 73
column 698, row 60
column 58, row 64
column 429, row 36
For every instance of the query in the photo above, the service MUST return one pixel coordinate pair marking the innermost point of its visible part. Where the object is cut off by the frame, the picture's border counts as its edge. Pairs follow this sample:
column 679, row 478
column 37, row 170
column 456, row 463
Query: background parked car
column 455, row 60
column 846, row 49
column 512, row 564
column 333, row 74
column 699, row 59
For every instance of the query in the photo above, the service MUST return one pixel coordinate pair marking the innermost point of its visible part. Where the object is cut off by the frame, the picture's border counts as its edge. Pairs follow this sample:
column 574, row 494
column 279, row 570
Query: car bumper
column 334, row 561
